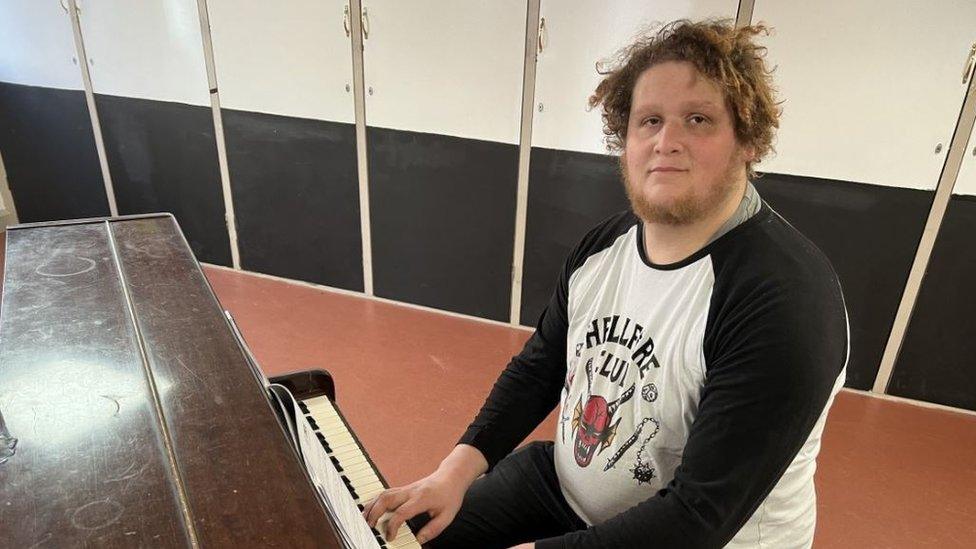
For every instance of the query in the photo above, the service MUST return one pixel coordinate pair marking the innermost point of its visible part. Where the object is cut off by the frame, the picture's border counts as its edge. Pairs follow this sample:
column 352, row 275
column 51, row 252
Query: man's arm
column 527, row 390
column 530, row 386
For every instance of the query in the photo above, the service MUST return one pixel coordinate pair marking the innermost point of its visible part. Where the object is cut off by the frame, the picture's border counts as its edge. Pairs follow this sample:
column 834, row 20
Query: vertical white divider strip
column 218, row 122
column 743, row 16
column 7, row 198
column 525, row 153
column 950, row 171
column 359, row 98
column 92, row 109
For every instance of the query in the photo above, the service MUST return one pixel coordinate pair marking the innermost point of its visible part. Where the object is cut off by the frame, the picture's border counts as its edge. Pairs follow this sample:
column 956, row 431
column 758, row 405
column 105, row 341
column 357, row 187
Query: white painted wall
column 37, row 45
column 966, row 182
column 148, row 49
column 446, row 67
column 870, row 88
column 577, row 35
column 288, row 58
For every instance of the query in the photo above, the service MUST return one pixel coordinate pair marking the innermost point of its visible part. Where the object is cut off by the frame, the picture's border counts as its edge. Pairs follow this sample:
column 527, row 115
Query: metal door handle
column 542, row 34
column 968, row 67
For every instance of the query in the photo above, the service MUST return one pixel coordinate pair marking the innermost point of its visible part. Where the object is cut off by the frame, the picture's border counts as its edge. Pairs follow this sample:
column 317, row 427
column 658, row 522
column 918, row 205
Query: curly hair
column 719, row 51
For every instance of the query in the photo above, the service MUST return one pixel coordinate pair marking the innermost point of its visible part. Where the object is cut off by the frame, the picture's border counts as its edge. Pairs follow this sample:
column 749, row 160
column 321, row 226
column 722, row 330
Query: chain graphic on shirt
column 643, row 471
column 612, row 462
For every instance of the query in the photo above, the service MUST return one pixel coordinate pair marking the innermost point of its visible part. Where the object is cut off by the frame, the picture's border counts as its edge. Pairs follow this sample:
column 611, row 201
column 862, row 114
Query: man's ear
column 748, row 153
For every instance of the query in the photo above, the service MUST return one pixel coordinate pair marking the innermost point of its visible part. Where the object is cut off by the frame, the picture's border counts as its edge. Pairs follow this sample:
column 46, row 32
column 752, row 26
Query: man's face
column 681, row 160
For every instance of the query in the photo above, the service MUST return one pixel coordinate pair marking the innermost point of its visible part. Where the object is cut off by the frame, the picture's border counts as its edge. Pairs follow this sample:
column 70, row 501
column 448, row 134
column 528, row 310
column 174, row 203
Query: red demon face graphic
column 592, row 424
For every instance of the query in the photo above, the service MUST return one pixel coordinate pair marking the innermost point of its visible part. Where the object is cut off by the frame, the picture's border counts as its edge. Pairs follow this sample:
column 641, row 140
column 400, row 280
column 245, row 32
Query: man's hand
column 439, row 495
column 524, row 546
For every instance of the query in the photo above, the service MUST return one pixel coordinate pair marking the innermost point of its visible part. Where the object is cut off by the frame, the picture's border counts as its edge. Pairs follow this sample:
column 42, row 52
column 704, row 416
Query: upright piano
column 132, row 415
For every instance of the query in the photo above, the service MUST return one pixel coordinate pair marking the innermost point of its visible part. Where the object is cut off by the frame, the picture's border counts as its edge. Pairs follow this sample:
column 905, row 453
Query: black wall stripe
column 442, row 213
column 871, row 234
column 569, row 193
column 296, row 197
column 163, row 158
column 937, row 362
column 49, row 152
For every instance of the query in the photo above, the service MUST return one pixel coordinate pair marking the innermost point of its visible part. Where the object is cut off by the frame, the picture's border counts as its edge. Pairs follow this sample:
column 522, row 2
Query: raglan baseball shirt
column 692, row 396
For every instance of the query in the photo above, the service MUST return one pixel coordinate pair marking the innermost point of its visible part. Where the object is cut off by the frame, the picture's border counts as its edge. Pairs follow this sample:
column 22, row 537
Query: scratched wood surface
column 102, row 460
column 244, row 484
column 89, row 467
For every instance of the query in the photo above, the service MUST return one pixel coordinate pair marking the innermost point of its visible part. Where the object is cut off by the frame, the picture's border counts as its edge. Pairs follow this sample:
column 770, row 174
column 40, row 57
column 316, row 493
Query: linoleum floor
column 409, row 381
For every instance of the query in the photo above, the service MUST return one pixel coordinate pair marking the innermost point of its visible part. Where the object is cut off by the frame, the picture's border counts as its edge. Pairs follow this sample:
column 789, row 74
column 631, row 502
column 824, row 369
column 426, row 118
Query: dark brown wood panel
column 90, row 468
column 244, row 483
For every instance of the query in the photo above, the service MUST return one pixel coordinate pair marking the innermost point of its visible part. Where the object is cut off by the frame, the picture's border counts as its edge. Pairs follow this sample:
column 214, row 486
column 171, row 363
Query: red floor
column 409, row 381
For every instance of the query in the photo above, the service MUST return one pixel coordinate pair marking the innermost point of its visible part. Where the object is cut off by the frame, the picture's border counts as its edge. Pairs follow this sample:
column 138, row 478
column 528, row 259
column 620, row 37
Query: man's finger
column 388, row 500
column 402, row 514
column 368, row 506
column 433, row 528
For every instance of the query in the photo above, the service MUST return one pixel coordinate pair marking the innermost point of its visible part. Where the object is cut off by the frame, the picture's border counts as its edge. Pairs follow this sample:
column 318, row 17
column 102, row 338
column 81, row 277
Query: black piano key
column 325, row 443
column 348, row 484
column 303, row 408
column 336, row 463
column 379, row 538
column 314, row 425
column 361, row 506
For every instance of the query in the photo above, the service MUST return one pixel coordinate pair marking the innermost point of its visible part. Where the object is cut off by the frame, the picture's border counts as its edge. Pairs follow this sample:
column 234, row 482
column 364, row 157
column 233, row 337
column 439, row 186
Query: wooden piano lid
column 137, row 417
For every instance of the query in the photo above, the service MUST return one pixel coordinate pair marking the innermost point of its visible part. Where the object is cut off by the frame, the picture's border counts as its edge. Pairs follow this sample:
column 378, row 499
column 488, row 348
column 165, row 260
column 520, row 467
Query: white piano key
column 356, row 467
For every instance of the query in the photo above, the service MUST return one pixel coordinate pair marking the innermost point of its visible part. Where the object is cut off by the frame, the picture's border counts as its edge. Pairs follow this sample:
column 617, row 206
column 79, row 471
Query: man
column 693, row 345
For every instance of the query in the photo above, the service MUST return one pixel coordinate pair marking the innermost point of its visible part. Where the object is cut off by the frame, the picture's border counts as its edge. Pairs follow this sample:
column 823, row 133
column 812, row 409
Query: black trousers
column 517, row 502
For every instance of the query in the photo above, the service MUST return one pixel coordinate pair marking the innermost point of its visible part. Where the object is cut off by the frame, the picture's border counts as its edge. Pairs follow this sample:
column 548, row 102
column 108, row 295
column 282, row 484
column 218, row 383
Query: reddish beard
column 686, row 209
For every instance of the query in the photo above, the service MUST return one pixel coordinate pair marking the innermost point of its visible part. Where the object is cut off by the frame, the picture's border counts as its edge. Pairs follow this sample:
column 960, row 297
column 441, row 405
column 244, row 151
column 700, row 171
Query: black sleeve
column 529, row 387
column 771, row 369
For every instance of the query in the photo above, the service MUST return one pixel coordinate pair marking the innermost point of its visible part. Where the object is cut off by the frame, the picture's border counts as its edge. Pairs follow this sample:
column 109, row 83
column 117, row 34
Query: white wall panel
column 870, row 88
column 579, row 34
column 446, row 67
column 37, row 45
column 149, row 49
column 289, row 58
column 966, row 182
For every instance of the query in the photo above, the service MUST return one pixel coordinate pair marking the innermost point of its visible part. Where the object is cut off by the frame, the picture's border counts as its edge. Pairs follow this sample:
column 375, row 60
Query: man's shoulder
column 602, row 236
column 769, row 256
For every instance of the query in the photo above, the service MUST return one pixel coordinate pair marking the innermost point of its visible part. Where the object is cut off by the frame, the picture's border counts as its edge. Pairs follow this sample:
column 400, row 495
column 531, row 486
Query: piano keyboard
column 351, row 461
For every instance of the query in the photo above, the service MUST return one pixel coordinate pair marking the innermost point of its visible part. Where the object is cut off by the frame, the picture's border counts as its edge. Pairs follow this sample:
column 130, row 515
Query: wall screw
column 540, row 107
column 938, row 148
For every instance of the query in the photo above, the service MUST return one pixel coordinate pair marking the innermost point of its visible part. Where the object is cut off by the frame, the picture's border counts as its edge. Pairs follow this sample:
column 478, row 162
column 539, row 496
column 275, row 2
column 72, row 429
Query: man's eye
column 697, row 119
column 650, row 121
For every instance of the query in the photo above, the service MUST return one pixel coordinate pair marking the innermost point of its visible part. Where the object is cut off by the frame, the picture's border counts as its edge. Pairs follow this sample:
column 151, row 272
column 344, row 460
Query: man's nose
column 668, row 139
